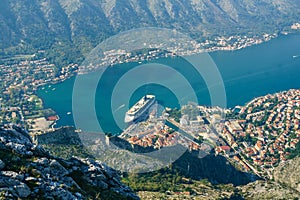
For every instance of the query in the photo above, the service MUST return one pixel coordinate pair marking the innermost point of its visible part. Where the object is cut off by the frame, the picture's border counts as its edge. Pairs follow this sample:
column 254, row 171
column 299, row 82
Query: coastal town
column 23, row 75
column 172, row 48
column 20, row 79
column 265, row 132
column 256, row 137
column 150, row 99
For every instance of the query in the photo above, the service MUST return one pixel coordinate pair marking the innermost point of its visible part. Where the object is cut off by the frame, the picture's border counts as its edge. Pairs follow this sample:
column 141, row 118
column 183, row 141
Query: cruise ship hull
column 140, row 112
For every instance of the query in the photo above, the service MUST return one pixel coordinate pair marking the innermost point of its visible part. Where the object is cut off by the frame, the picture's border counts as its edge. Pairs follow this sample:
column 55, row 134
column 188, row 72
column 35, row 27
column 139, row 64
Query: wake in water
column 121, row 106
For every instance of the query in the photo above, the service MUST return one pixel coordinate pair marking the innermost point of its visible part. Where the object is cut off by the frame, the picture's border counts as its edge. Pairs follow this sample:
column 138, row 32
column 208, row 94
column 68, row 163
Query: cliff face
column 28, row 171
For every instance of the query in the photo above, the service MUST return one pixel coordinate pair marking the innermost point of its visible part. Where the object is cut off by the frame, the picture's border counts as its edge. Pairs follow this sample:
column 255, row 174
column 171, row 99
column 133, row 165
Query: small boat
column 69, row 113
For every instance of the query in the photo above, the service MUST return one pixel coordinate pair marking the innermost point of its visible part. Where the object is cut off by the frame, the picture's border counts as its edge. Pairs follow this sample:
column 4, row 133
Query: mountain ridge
column 71, row 28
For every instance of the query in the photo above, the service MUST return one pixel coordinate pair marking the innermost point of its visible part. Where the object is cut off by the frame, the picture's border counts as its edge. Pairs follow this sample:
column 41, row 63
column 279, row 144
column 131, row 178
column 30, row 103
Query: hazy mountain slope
column 289, row 173
column 65, row 25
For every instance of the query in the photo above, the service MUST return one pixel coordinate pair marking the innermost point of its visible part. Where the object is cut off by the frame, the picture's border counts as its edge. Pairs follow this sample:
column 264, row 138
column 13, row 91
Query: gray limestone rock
column 2, row 164
column 56, row 169
column 22, row 190
column 47, row 177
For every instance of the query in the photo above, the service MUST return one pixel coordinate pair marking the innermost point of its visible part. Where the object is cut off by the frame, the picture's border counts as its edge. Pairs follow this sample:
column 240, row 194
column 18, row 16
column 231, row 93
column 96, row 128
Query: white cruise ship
column 140, row 109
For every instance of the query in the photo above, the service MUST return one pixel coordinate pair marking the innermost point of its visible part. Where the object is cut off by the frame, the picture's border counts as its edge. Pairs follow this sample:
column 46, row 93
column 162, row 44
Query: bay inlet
column 247, row 73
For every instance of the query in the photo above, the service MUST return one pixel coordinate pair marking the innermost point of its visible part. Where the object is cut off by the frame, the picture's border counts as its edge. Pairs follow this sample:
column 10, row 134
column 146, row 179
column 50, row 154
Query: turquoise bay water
column 247, row 73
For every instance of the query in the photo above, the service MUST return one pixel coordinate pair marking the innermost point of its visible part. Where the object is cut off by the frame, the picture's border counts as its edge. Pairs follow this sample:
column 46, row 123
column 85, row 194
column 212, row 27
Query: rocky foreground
column 29, row 171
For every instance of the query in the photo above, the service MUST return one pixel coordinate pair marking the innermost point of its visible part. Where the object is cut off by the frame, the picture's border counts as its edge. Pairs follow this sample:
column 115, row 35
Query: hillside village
column 256, row 137
column 20, row 78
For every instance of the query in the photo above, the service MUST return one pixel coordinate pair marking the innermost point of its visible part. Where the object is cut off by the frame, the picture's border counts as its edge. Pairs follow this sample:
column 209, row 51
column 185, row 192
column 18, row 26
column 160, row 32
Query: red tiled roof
column 225, row 148
column 52, row 118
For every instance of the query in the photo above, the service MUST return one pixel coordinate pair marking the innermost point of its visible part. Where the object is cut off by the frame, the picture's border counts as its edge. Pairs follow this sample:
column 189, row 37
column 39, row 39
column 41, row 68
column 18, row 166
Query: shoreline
column 232, row 107
column 156, row 54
